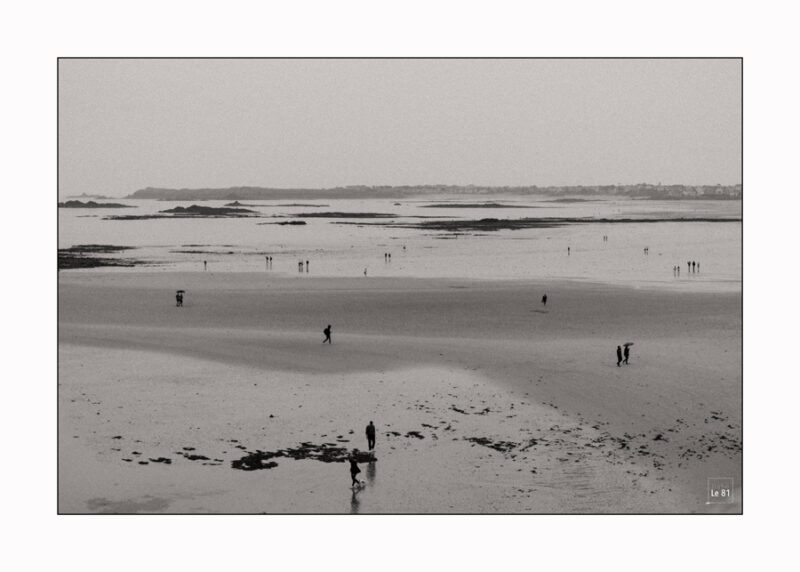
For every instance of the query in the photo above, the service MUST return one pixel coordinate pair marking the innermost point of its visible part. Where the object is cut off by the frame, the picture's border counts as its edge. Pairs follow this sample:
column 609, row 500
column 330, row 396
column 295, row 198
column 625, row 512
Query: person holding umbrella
column 179, row 298
column 627, row 352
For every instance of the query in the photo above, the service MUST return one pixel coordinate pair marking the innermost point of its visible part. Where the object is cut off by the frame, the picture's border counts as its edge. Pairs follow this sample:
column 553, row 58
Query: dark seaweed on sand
column 493, row 224
column 327, row 453
column 476, row 206
column 85, row 256
column 343, row 215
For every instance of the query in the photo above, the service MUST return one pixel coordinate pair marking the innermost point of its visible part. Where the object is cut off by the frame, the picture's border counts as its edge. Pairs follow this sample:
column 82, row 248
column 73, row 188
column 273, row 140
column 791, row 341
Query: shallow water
column 334, row 249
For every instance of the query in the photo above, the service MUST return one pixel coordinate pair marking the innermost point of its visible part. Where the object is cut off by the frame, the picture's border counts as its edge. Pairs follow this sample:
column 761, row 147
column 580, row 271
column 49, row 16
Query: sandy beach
column 484, row 399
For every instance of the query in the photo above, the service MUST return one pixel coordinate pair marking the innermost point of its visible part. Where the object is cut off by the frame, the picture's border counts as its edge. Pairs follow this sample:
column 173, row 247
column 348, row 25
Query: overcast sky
column 130, row 124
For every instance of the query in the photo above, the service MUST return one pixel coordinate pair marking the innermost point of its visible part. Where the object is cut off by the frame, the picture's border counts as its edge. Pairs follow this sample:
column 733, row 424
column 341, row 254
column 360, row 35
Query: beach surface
column 484, row 399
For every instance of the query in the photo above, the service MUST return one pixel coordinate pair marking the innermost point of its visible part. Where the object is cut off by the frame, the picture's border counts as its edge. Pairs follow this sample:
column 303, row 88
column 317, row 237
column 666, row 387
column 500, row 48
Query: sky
column 124, row 125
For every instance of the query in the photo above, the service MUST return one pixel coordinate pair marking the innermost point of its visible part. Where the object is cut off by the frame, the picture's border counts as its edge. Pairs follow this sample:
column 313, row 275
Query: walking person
column 371, row 436
column 327, row 332
column 619, row 355
column 205, row 265
column 179, row 300
column 627, row 354
column 544, row 300
column 354, row 470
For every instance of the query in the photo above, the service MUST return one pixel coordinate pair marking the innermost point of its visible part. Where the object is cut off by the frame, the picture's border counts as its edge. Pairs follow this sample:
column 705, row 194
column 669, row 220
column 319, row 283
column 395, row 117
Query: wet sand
column 484, row 400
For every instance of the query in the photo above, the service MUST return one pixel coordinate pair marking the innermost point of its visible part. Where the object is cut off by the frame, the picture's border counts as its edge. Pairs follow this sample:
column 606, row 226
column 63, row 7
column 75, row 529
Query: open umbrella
column 181, row 292
column 626, row 344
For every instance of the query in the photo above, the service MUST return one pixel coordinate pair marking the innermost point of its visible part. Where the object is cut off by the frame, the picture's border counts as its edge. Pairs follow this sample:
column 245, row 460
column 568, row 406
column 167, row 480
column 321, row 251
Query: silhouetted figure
column 692, row 265
column 688, row 266
column 698, row 267
column 205, row 264
column 568, row 251
column 354, row 470
column 327, row 332
column 619, row 355
column 544, row 300
column 679, row 270
column 365, row 272
column 307, row 266
column 179, row 300
column 371, row 436
column 627, row 354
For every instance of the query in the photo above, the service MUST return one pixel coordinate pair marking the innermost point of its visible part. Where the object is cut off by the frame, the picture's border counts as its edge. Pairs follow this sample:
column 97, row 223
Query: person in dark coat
column 371, row 436
column 627, row 354
column 327, row 332
column 544, row 300
column 354, row 470
column 619, row 355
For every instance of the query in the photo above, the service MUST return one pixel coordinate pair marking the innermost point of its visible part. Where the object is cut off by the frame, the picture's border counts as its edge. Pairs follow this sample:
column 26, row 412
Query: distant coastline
column 92, row 205
column 640, row 191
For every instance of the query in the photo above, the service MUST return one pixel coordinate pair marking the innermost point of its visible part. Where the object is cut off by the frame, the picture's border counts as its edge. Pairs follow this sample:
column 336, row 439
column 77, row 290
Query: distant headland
column 641, row 191
column 92, row 205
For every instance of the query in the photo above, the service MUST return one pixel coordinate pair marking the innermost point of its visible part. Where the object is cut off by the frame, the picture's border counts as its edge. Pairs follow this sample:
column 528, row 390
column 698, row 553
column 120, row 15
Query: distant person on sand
column 354, row 470
column 306, row 265
column 205, row 264
column 179, row 300
column 692, row 265
column 698, row 267
column 568, row 251
column 365, row 272
column 619, row 355
column 627, row 354
column 327, row 332
column 544, row 300
column 371, row 436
